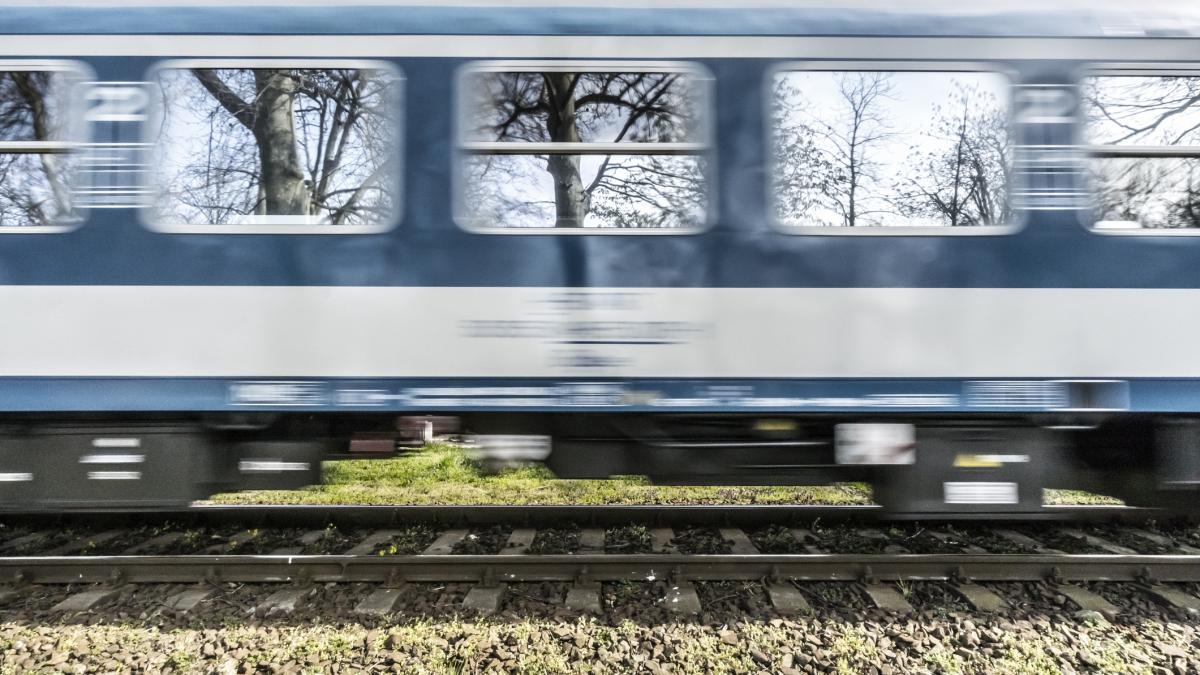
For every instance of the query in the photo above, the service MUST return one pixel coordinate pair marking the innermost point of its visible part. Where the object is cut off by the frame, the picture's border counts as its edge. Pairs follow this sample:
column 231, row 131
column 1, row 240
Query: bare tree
column 850, row 139
column 803, row 175
column 1163, row 192
column 1132, row 185
column 962, row 178
column 33, row 187
column 1144, row 110
column 830, row 131
column 278, row 142
column 640, row 189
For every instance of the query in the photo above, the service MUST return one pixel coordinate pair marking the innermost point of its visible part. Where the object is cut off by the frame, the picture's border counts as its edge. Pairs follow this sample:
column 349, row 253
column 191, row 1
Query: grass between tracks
column 1078, row 498
column 444, row 474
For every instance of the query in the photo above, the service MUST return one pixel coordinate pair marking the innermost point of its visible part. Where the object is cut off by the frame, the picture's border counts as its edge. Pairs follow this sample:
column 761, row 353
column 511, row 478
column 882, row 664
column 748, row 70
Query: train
column 950, row 252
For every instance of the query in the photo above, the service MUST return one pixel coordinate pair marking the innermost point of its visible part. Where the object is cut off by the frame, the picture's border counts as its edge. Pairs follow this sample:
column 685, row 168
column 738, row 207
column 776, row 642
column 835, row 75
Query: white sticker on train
column 980, row 493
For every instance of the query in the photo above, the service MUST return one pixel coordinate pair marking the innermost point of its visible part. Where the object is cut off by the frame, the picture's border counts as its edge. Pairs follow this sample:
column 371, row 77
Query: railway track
column 598, row 567
column 879, row 577
column 451, row 556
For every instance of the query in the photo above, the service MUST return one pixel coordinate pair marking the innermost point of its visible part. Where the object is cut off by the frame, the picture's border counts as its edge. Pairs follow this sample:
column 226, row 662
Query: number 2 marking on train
column 117, row 102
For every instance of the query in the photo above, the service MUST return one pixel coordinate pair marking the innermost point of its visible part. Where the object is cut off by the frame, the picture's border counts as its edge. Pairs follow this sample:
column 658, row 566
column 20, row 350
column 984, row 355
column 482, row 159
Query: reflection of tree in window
column 1146, row 169
column 33, row 188
column 882, row 149
column 963, row 178
column 626, row 180
column 276, row 145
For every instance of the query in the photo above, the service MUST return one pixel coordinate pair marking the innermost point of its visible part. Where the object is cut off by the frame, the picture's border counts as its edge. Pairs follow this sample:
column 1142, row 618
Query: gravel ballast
column 736, row 629
column 535, row 634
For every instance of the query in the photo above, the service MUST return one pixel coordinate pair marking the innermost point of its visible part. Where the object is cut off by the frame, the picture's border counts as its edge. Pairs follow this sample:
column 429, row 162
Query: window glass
column 1144, row 136
column 276, row 146
column 34, row 159
column 579, row 149
column 891, row 149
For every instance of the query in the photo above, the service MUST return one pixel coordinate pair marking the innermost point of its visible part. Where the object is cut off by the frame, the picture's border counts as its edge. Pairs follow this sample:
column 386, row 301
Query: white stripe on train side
column 252, row 331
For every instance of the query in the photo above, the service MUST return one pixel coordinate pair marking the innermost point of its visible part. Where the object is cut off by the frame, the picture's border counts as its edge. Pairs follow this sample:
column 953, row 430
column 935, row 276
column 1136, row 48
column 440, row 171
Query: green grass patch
column 444, row 474
column 1077, row 498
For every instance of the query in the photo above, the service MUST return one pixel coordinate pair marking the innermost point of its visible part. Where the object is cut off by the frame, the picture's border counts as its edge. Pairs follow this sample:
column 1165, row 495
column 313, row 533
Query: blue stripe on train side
column 763, row 396
column 510, row 20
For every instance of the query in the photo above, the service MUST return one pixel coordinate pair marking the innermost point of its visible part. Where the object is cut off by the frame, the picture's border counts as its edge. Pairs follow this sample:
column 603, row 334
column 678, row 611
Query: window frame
column 78, row 132
column 705, row 148
column 1020, row 216
column 395, row 152
column 1088, row 151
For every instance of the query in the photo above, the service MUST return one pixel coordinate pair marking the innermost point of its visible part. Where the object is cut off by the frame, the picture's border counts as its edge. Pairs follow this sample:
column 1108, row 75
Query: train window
column 1143, row 132
column 35, row 142
column 891, row 151
column 583, row 148
column 275, row 147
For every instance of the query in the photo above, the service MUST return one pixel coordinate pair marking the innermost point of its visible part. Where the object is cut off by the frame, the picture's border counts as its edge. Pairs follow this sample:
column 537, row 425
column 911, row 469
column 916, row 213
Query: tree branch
column 230, row 101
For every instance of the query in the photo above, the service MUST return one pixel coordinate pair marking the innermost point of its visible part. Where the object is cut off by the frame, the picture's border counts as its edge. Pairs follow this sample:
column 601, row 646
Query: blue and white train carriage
column 951, row 253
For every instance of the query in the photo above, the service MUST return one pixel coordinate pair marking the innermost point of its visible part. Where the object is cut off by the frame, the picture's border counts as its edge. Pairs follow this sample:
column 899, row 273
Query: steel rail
column 490, row 569
column 288, row 515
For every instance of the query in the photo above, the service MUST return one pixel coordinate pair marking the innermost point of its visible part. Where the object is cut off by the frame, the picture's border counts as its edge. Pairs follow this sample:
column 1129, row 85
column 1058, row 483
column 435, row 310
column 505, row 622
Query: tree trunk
column 33, row 93
column 570, row 198
column 281, row 176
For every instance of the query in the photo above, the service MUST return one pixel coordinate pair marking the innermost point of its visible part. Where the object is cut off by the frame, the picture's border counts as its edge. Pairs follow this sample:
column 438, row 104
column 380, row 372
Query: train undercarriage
column 916, row 465
column 935, row 466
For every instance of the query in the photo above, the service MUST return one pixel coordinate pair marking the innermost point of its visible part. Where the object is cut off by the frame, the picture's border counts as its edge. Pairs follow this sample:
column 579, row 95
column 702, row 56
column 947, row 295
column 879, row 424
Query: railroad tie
column 380, row 601
column 802, row 536
column 7, row 595
column 233, row 542
column 1164, row 541
column 22, row 541
column 446, row 541
column 1025, row 540
column 889, row 546
column 951, row 539
column 1100, row 542
column 787, row 599
column 85, row 542
column 86, row 600
column 980, row 598
column 284, row 601
column 519, row 541
column 161, row 541
column 740, row 540
column 1087, row 600
column 188, row 600
column 307, row 539
column 660, row 539
column 1174, row 597
column 483, row 599
column 367, row 546
column 584, row 597
column 887, row 598
column 591, row 540
column 681, row 598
